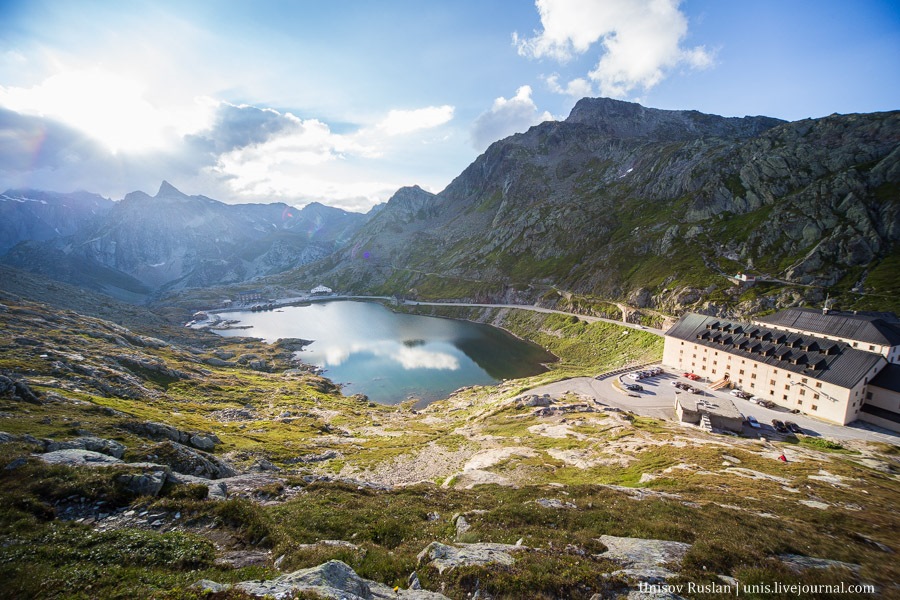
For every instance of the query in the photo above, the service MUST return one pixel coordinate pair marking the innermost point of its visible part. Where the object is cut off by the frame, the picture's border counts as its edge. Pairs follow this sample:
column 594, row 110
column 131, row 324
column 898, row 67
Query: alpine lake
column 390, row 357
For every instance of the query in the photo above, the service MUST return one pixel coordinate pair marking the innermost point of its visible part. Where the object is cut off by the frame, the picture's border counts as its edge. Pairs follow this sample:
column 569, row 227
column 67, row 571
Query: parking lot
column 657, row 399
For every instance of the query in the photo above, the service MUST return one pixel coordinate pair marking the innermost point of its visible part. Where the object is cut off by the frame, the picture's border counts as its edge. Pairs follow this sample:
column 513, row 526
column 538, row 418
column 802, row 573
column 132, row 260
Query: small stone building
column 719, row 413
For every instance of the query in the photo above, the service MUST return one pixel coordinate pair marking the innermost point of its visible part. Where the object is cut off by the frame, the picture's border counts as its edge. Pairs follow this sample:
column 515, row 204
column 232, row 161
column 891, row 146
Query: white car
column 753, row 399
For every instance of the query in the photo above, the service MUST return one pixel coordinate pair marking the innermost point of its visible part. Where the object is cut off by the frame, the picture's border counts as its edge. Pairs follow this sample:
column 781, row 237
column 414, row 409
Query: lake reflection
column 391, row 357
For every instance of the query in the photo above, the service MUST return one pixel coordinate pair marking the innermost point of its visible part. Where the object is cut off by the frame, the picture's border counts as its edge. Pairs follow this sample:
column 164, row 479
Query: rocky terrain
column 178, row 464
column 142, row 244
column 653, row 207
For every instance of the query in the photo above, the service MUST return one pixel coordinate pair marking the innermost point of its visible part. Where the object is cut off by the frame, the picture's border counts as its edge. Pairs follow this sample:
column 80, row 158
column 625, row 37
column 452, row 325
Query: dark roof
column 888, row 378
column 881, row 412
column 808, row 355
column 871, row 328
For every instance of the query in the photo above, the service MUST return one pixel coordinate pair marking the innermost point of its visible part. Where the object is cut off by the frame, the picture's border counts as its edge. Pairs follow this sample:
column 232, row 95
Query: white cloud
column 304, row 160
column 641, row 41
column 400, row 122
column 506, row 117
column 577, row 88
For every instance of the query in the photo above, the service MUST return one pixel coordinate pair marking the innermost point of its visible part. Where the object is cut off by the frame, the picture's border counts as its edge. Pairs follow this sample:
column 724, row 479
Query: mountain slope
column 37, row 215
column 648, row 205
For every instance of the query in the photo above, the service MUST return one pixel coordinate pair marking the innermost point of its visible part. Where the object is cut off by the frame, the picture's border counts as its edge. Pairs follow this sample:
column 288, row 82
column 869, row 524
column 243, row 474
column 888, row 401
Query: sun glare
column 110, row 108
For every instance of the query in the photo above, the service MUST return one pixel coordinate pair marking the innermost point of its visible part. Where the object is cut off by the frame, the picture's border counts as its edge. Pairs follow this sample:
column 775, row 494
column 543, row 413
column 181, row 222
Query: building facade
column 810, row 364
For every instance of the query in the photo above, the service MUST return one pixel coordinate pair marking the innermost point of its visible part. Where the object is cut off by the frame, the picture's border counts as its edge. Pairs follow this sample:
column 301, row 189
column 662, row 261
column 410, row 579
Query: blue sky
column 344, row 102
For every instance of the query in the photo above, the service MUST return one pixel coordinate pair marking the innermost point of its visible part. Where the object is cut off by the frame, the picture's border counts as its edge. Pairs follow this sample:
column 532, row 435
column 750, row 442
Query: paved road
column 586, row 318
column 658, row 401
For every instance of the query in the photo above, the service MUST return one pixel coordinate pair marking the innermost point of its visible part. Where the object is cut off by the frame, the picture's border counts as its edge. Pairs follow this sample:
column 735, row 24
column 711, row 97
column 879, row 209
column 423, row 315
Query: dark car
column 793, row 427
column 634, row 387
column 779, row 426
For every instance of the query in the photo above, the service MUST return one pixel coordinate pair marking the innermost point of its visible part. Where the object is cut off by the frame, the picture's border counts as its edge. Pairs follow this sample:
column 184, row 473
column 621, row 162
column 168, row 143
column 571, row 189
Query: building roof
column 811, row 356
column 888, row 378
column 722, row 407
column 871, row 328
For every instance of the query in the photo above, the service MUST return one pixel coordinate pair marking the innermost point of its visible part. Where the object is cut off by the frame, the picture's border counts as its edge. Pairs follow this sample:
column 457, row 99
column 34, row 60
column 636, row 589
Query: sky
column 345, row 102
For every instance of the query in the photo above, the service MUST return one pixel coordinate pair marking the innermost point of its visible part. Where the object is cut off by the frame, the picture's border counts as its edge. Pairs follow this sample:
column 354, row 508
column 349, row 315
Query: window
column 855, row 344
column 815, row 396
column 868, row 395
column 803, row 380
column 771, row 382
column 715, row 362
column 741, row 372
column 814, row 407
column 818, row 384
column 752, row 385
column 753, row 376
column 775, row 371
column 872, row 348
column 784, row 397
column 799, row 402
column 802, row 392
column 713, row 371
column 787, row 387
column 771, row 392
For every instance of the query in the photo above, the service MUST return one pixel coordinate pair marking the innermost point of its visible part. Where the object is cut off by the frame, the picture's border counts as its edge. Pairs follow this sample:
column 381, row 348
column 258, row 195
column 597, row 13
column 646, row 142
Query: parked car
column 793, row 427
column 767, row 403
column 753, row 400
column 635, row 375
column 753, row 422
column 692, row 376
column 779, row 426
column 633, row 387
column 740, row 394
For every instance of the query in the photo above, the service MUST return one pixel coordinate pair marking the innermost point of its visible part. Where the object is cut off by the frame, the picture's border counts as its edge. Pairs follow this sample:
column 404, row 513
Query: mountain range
column 142, row 244
column 620, row 202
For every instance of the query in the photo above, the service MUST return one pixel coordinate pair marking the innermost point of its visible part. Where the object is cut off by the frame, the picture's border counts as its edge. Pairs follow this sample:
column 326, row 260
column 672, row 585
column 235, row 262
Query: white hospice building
column 836, row 366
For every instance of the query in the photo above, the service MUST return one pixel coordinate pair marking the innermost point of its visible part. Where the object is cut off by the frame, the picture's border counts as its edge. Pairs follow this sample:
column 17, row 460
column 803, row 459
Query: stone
column 202, row 442
column 462, row 526
column 95, row 444
column 16, row 463
column 144, row 484
column 211, row 587
column 333, row 579
column 554, row 503
column 76, row 457
column 446, row 558
column 189, row 461
column 799, row 563
column 239, row 559
column 645, row 560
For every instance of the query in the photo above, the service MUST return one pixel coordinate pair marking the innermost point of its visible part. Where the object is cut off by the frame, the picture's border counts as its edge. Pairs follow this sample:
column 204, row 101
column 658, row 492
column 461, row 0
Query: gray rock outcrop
column 95, row 444
column 445, row 558
column 334, row 580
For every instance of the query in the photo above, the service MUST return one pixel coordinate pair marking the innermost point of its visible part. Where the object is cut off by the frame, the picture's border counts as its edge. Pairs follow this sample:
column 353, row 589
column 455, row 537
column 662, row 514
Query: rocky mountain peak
column 167, row 190
column 626, row 120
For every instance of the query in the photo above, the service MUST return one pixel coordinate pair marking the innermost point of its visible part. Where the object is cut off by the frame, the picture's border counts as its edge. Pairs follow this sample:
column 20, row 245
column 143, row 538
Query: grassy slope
column 716, row 511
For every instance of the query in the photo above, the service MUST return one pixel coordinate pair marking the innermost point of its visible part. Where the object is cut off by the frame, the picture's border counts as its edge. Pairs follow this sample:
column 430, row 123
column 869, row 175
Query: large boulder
column 78, row 458
column 143, row 484
column 188, row 460
column 333, row 579
column 161, row 431
column 446, row 558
